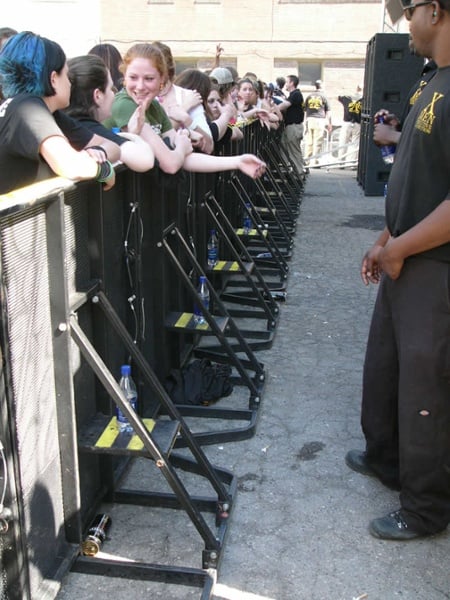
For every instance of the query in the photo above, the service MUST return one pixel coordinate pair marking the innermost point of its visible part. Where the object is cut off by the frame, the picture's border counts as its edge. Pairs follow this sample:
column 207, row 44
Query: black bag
column 200, row 382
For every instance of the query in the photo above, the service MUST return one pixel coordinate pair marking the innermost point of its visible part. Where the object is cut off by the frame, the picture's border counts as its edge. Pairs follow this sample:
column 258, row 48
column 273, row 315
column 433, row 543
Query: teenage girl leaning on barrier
column 144, row 76
column 91, row 98
column 34, row 135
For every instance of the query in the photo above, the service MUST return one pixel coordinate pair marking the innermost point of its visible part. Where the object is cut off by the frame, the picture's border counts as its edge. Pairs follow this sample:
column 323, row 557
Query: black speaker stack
column 390, row 72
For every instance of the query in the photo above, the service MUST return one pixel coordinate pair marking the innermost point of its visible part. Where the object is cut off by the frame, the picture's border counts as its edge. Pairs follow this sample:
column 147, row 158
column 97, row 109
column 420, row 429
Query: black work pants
column 406, row 391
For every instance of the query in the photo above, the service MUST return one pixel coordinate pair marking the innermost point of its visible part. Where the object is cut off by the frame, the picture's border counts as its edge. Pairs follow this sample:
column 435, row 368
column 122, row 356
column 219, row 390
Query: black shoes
column 356, row 460
column 393, row 527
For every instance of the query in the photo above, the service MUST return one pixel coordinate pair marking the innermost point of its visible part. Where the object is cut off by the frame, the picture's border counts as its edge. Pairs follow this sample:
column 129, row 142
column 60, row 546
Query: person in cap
column 405, row 412
column 223, row 77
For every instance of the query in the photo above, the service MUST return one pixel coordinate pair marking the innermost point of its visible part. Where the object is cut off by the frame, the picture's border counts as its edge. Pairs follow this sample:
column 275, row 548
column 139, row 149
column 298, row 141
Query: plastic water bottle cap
column 125, row 370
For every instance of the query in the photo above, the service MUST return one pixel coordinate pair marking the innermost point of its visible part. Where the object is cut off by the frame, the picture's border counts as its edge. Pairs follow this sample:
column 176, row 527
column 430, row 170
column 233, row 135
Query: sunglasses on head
column 409, row 10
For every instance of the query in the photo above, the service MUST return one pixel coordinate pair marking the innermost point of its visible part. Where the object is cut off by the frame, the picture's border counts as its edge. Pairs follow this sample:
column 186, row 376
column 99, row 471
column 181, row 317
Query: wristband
column 105, row 172
column 98, row 148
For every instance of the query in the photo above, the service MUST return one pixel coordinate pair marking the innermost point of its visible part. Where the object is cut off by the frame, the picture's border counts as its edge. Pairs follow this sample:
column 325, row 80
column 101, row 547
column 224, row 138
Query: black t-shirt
column 78, row 135
column 294, row 113
column 352, row 109
column 25, row 122
column 420, row 176
column 98, row 128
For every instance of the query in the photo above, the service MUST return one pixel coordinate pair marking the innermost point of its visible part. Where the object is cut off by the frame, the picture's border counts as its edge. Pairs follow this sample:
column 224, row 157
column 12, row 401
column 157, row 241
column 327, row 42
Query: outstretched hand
column 251, row 165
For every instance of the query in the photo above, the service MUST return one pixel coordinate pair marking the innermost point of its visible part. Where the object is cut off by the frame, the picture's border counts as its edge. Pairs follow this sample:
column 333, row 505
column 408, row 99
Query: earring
column 434, row 13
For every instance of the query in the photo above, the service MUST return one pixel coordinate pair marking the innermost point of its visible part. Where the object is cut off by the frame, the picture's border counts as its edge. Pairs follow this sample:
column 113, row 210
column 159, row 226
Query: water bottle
column 203, row 293
column 387, row 152
column 247, row 222
column 128, row 388
column 213, row 248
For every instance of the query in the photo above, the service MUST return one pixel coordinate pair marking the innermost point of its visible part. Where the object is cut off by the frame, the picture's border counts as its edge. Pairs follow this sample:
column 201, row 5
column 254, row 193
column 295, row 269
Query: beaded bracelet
column 105, row 172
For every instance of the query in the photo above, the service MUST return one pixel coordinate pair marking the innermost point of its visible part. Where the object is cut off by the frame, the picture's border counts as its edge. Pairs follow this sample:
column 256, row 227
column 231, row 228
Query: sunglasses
column 409, row 10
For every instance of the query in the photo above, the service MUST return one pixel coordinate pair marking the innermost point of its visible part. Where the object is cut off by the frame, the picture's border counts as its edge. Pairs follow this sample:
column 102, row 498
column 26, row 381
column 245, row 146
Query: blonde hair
column 148, row 51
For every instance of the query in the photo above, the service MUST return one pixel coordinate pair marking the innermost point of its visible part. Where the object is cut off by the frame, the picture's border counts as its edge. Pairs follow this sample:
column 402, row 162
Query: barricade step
column 265, row 240
column 254, row 299
column 253, row 373
column 152, row 438
column 102, row 436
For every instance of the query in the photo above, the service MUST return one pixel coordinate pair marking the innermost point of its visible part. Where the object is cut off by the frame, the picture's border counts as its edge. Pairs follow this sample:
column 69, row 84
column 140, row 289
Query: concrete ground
column 298, row 530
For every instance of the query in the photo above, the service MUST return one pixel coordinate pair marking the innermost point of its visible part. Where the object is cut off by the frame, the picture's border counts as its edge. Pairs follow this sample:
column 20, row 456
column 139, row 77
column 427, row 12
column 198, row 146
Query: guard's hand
column 390, row 261
column 370, row 265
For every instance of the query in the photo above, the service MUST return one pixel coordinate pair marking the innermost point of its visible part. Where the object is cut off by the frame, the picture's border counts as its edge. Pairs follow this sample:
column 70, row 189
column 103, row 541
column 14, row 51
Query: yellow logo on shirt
column 417, row 93
column 426, row 118
column 315, row 102
column 355, row 107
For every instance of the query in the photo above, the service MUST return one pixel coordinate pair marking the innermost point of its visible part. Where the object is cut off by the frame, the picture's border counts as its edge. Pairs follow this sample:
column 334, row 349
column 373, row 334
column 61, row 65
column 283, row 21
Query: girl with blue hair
column 35, row 136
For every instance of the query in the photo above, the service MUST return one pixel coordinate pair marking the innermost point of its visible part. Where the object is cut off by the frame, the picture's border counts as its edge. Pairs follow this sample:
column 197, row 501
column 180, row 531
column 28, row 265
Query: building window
column 184, row 63
column 204, row 64
column 309, row 72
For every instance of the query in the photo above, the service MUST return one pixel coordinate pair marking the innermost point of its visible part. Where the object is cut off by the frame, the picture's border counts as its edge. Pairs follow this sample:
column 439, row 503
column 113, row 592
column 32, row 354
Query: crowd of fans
column 78, row 118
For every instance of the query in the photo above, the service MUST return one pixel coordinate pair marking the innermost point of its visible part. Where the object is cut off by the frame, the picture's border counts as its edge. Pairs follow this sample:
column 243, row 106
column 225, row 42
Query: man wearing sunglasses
column 406, row 384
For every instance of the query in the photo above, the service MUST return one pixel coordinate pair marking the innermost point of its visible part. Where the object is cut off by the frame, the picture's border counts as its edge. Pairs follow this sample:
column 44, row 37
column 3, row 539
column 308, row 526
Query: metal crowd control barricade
column 261, row 244
column 254, row 296
column 87, row 281
column 283, row 176
column 65, row 301
column 250, row 372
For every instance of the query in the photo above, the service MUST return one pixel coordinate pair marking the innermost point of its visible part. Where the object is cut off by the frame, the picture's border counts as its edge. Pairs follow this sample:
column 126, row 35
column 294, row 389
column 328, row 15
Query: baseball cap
column 221, row 75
